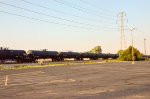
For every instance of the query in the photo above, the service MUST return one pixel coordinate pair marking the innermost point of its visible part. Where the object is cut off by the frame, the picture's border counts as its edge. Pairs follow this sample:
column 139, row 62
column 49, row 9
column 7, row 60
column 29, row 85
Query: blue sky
column 101, row 15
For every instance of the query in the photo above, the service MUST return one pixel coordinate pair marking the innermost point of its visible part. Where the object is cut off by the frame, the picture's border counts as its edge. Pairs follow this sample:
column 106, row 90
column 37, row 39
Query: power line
column 141, row 34
column 102, row 14
column 89, row 11
column 140, row 40
column 85, row 18
column 106, row 10
column 79, row 9
column 37, row 19
column 51, row 15
column 137, row 42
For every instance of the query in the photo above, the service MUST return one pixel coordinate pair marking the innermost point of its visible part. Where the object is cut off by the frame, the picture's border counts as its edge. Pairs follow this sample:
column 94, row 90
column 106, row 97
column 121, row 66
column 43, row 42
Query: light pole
column 145, row 46
column 132, row 29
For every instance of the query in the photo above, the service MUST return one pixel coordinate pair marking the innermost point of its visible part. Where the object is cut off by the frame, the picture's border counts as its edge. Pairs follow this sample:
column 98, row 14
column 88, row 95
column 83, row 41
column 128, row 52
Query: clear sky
column 72, row 25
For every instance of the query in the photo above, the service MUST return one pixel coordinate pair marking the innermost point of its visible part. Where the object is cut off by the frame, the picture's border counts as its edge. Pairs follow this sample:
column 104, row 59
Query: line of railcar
column 146, row 57
column 21, row 56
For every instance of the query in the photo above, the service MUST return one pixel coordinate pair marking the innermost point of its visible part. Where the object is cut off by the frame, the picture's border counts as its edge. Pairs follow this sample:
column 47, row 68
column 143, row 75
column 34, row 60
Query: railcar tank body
column 69, row 55
column 14, row 55
column 103, row 56
column 3, row 55
column 107, row 56
column 37, row 54
column 54, row 55
column 91, row 56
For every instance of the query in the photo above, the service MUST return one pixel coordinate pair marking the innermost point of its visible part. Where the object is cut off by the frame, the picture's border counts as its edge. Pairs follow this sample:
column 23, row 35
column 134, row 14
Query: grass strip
column 59, row 64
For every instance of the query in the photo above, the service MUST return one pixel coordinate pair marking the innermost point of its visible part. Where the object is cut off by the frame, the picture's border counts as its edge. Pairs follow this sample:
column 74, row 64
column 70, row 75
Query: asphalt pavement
column 97, row 81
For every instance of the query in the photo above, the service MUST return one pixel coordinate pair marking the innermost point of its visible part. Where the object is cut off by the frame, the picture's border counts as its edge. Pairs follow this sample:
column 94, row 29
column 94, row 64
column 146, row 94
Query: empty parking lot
column 97, row 81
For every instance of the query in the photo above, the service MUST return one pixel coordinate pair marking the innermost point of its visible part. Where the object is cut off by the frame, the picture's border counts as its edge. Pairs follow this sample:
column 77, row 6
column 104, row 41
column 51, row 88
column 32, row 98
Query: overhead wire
column 37, row 19
column 141, row 39
column 146, row 36
column 53, row 16
column 94, row 6
column 88, row 11
column 48, row 8
column 102, row 14
column 47, row 21
column 138, row 41
column 79, row 9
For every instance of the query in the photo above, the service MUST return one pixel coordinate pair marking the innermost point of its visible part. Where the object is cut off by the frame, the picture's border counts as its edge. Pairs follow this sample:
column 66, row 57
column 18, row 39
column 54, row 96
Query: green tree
column 120, row 52
column 96, row 50
column 126, row 55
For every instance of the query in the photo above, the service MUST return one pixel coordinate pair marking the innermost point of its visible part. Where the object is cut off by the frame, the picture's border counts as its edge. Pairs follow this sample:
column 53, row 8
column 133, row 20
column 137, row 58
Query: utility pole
column 122, row 18
column 145, row 46
column 132, row 29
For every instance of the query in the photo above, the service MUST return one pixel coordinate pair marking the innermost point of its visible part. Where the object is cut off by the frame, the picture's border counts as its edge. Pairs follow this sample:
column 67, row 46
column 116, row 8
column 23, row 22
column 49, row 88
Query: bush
column 126, row 55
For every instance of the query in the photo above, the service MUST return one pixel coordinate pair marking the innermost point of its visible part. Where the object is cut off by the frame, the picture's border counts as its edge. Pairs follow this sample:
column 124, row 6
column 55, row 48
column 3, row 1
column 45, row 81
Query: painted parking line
column 19, row 78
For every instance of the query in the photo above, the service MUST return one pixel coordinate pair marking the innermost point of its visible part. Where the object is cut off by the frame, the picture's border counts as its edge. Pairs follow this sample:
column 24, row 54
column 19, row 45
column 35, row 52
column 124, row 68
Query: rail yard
column 74, row 49
column 94, row 81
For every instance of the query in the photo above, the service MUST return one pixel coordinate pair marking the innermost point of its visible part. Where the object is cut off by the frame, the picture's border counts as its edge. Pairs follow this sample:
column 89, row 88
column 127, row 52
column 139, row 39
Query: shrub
column 126, row 55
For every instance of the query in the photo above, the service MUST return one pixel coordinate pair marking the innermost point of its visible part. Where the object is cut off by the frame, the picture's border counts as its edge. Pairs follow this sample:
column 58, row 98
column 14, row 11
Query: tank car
column 91, row 56
column 35, row 54
column 69, row 55
column 12, row 55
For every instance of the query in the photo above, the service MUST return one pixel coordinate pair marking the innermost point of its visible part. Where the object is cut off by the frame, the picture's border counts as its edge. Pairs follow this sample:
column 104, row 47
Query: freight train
column 21, row 56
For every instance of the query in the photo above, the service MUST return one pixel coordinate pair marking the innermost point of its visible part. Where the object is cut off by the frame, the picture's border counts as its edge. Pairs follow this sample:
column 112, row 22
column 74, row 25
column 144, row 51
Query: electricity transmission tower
column 122, row 28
